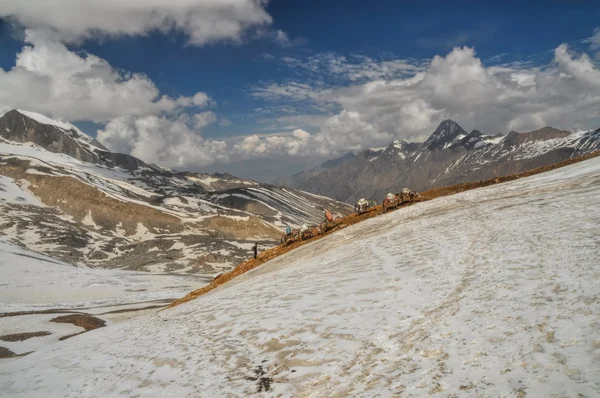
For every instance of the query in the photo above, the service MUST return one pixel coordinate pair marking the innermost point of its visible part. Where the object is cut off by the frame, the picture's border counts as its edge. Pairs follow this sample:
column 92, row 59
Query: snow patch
column 17, row 193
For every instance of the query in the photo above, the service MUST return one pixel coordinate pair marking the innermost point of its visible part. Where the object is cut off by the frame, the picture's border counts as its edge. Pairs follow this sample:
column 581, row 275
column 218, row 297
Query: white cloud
column 564, row 94
column 202, row 21
column 296, row 143
column 53, row 80
column 301, row 134
column 158, row 139
column 353, row 68
column 293, row 91
column 594, row 41
column 50, row 79
column 282, row 38
column 358, row 102
column 200, row 99
column 203, row 119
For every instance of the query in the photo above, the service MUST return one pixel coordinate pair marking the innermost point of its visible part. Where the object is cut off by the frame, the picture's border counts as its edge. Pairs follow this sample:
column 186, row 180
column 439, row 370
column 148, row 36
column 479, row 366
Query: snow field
column 32, row 281
column 492, row 292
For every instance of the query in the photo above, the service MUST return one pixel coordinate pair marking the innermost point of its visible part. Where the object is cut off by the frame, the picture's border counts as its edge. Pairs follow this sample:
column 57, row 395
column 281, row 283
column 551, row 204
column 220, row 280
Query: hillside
column 63, row 194
column 449, row 156
column 480, row 293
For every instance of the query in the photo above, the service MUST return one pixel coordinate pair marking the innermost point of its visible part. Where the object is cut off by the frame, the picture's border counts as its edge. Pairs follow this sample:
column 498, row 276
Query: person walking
column 255, row 249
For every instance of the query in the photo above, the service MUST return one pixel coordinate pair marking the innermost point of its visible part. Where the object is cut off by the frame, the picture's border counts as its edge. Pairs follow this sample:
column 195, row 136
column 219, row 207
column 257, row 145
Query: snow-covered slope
column 34, row 282
column 64, row 195
column 35, row 289
column 492, row 292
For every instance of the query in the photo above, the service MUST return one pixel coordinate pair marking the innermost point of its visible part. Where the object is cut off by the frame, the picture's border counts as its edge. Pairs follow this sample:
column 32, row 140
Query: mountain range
column 65, row 195
column 449, row 156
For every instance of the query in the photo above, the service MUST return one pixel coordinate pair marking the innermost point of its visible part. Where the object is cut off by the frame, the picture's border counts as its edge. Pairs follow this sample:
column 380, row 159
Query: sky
column 266, row 88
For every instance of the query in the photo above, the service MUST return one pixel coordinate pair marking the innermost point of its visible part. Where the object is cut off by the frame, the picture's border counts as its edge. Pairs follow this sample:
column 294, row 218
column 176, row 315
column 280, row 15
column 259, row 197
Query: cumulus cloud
column 296, row 143
column 201, row 21
column 564, row 94
column 347, row 102
column 204, row 119
column 50, row 79
column 372, row 113
column 162, row 140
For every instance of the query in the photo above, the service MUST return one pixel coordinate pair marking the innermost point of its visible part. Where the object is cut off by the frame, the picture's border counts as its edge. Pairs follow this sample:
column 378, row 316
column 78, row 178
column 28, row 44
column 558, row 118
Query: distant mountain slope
column 65, row 195
column 449, row 156
column 299, row 178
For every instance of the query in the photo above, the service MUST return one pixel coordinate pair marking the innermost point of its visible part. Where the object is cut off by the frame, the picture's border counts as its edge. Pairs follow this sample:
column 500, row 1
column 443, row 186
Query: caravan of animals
column 391, row 201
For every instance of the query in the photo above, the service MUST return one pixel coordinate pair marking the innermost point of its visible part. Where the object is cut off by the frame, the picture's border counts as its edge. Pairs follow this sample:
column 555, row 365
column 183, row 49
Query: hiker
column 255, row 249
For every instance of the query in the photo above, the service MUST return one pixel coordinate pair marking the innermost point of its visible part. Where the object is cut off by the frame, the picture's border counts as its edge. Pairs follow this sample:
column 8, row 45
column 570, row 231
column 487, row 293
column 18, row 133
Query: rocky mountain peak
column 401, row 148
column 399, row 144
column 53, row 135
column 473, row 139
column 61, row 137
column 475, row 133
column 446, row 134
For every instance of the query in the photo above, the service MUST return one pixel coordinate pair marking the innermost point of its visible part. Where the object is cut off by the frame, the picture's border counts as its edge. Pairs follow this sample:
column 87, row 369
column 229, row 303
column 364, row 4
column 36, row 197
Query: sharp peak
column 447, row 122
column 448, row 126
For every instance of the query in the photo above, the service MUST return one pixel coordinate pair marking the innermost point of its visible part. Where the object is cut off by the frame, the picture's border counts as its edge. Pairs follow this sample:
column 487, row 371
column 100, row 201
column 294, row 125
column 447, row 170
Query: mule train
column 307, row 232
column 362, row 206
column 393, row 201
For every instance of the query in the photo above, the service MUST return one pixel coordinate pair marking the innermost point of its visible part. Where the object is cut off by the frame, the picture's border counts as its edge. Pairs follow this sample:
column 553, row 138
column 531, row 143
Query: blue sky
column 300, row 72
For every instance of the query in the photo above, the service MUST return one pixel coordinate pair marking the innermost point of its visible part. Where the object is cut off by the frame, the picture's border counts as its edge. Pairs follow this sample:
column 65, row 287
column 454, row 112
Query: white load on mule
column 361, row 206
column 409, row 195
column 390, row 200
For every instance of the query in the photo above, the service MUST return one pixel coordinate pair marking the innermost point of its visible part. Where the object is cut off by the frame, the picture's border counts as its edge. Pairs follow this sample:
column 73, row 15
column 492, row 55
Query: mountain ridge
column 67, row 197
column 450, row 155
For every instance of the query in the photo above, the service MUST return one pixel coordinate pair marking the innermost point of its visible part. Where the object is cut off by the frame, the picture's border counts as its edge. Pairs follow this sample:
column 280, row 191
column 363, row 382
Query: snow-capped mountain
column 63, row 194
column 449, row 156
column 491, row 292
column 447, row 134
